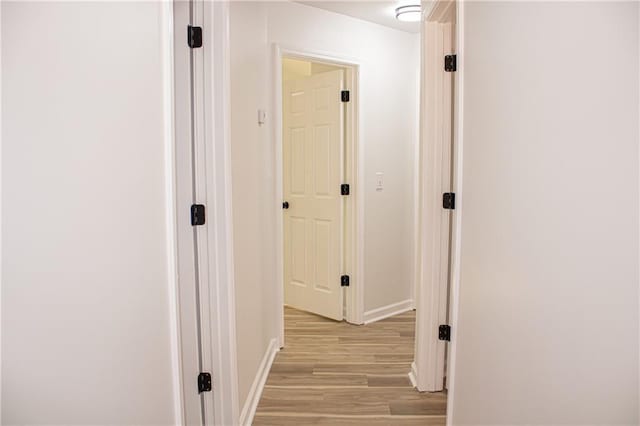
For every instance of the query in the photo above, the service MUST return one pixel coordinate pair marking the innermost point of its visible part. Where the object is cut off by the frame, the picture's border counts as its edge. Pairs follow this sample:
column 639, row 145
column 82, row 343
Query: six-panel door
column 312, row 162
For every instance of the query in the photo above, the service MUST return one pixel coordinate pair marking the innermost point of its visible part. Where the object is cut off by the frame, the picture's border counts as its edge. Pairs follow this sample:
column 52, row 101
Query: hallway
column 335, row 373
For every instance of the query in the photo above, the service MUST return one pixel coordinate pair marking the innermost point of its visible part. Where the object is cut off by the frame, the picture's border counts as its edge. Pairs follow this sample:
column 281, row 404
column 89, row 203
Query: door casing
column 438, row 253
column 199, row 120
column 354, row 213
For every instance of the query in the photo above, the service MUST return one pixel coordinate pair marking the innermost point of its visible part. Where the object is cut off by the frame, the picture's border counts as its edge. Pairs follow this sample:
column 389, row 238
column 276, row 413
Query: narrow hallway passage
column 335, row 373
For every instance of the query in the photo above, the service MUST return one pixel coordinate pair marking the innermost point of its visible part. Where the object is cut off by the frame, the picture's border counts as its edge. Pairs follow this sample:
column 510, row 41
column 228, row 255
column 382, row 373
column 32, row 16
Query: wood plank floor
column 335, row 373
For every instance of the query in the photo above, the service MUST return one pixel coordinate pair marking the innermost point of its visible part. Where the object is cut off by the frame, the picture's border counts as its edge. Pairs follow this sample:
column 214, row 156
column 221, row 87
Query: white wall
column 85, row 290
column 252, row 212
column 389, row 94
column 548, row 319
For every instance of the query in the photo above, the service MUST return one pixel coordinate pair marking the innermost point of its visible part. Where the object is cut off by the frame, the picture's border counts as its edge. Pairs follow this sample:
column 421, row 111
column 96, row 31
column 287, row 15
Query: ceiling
column 380, row 12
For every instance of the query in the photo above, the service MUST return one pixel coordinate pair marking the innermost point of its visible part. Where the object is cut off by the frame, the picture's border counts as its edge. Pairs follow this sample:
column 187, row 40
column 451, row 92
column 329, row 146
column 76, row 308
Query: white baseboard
column 413, row 374
column 251, row 404
column 388, row 311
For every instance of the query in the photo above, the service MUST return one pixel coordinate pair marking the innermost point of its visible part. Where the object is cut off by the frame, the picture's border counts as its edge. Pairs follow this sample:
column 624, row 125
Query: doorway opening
column 317, row 180
column 321, row 353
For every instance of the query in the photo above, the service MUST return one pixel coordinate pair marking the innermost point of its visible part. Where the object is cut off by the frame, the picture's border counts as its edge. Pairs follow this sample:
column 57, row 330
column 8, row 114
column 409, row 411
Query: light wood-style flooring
column 335, row 373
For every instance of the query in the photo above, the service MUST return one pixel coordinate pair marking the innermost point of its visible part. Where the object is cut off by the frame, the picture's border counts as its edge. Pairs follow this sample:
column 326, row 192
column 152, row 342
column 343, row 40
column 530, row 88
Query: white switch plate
column 261, row 117
column 379, row 181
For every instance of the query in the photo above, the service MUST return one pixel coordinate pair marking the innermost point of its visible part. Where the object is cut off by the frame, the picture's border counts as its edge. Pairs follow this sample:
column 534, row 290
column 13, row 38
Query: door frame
column 438, row 250
column 458, row 145
column 209, row 185
column 354, row 214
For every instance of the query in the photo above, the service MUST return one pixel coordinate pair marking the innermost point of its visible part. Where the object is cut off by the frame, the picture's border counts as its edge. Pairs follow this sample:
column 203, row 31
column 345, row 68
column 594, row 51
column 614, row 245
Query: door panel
column 323, row 256
column 312, row 159
column 298, row 237
column 298, row 161
column 322, row 160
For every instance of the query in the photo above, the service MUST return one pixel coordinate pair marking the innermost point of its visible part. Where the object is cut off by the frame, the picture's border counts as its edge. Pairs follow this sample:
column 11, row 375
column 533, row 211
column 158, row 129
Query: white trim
column 457, row 217
column 1, row 222
column 255, row 393
column 413, row 374
column 433, row 258
column 181, row 169
column 222, row 315
column 354, row 295
column 388, row 311
column 279, row 190
column 355, row 298
column 416, row 178
column 204, row 192
column 317, row 55
column 170, row 208
column 216, row 351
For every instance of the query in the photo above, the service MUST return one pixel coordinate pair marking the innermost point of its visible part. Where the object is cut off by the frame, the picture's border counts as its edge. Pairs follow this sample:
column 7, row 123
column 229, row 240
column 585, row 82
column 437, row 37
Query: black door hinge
column 449, row 200
column 450, row 63
column 197, row 214
column 344, row 189
column 444, row 332
column 194, row 36
column 204, row 382
column 344, row 96
column 344, row 281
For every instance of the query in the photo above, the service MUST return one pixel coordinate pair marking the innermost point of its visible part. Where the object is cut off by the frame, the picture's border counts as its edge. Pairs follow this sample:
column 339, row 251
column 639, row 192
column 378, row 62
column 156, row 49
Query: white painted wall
column 548, row 317
column 252, row 211
column 86, row 327
column 389, row 93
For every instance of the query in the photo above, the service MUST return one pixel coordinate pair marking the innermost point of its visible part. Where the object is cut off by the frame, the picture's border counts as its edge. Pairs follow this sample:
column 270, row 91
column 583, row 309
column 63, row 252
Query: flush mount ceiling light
column 409, row 13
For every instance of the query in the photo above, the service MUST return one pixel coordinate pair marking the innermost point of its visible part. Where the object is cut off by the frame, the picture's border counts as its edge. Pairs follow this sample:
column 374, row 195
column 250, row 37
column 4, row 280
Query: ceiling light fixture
column 409, row 13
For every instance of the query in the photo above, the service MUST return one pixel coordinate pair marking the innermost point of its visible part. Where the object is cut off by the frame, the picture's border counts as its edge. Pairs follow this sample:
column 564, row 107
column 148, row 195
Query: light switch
column 261, row 117
column 379, row 181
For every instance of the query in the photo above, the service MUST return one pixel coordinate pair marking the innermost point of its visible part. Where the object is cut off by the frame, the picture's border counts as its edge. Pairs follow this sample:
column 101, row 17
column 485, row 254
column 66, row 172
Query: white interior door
column 313, row 168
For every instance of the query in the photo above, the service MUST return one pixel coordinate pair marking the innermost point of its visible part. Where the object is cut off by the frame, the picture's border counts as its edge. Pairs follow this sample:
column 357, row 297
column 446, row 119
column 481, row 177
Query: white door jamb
column 209, row 184
column 433, row 258
column 458, row 144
